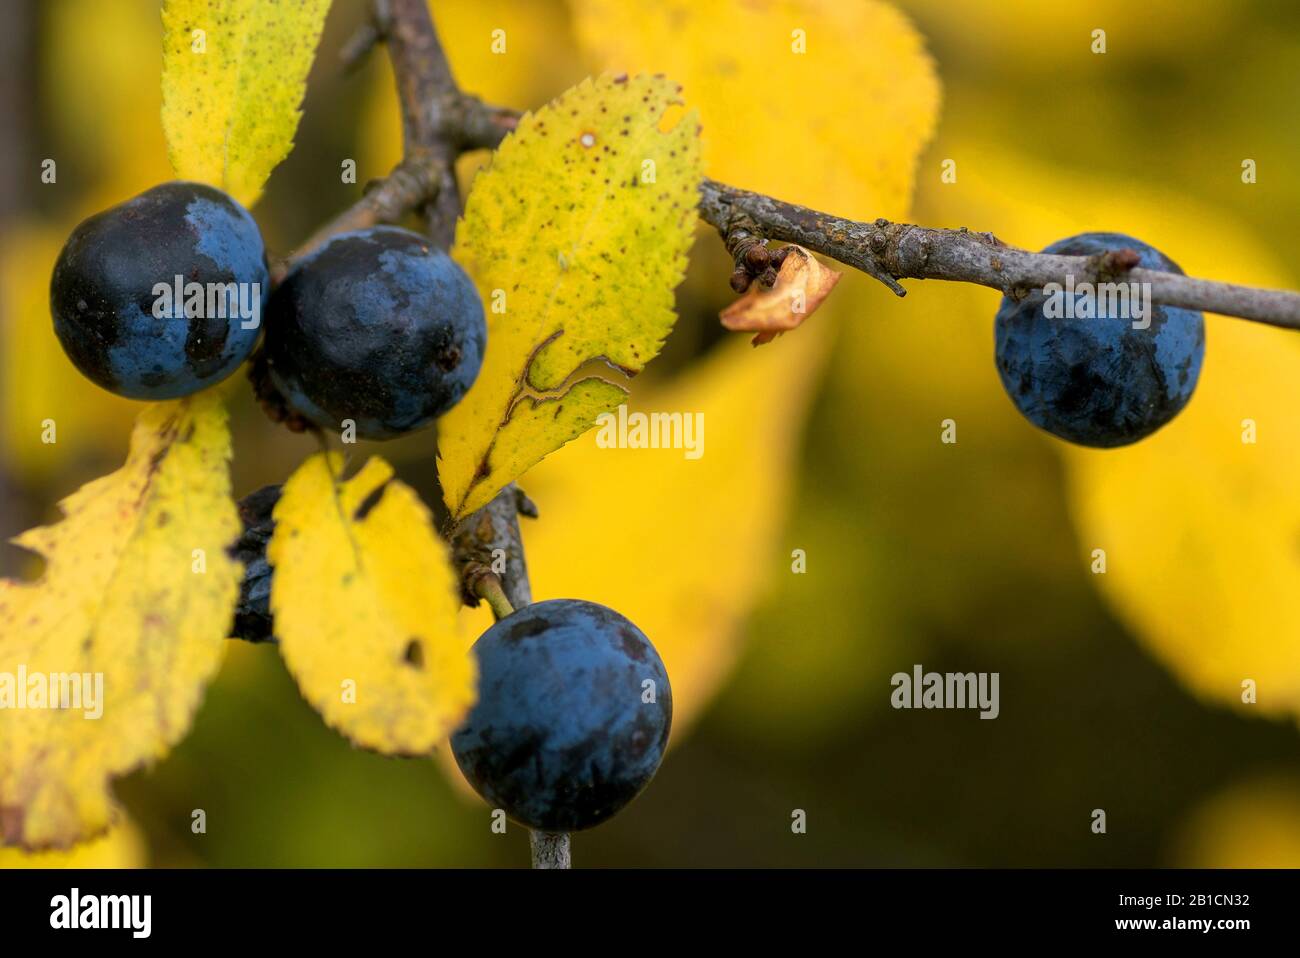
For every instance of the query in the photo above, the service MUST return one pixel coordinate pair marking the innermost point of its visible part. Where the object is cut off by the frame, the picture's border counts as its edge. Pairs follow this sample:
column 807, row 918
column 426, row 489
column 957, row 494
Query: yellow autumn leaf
column 129, row 618
column 576, row 234
column 122, row 846
column 819, row 102
column 234, row 73
column 365, row 602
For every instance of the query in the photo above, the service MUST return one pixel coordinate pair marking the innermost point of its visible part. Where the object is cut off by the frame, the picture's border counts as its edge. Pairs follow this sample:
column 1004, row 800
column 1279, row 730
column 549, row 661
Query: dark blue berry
column 129, row 335
column 1099, row 381
column 378, row 327
column 572, row 718
column 253, row 621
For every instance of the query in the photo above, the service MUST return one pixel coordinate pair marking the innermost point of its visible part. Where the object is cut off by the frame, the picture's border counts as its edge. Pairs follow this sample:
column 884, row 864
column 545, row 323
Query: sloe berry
column 573, row 715
column 114, row 291
column 1099, row 381
column 379, row 327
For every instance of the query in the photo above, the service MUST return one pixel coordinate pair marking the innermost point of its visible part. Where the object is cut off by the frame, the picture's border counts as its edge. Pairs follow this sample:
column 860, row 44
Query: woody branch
column 440, row 121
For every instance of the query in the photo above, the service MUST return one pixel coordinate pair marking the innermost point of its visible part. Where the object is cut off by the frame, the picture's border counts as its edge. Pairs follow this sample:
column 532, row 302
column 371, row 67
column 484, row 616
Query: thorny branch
column 893, row 251
column 883, row 250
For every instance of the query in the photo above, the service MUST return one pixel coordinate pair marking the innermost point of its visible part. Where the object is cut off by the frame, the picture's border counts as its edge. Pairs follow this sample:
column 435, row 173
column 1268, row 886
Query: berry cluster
column 164, row 295
column 377, row 327
column 168, row 293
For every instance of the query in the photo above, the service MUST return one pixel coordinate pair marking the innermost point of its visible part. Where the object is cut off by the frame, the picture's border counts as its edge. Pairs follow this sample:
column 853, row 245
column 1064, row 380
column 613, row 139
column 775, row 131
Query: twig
column 439, row 122
column 479, row 542
column 551, row 850
column 489, row 540
column 893, row 251
column 408, row 187
column 359, row 45
column 883, row 250
column 488, row 588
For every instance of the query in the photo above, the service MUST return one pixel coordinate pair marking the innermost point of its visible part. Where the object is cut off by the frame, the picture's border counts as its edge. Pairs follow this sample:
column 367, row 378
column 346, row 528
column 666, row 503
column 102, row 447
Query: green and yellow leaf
column 820, row 102
column 234, row 73
column 138, row 592
column 577, row 233
column 365, row 602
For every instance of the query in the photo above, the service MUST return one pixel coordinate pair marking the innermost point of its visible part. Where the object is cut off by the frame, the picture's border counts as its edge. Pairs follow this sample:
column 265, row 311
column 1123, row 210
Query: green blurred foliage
column 957, row 557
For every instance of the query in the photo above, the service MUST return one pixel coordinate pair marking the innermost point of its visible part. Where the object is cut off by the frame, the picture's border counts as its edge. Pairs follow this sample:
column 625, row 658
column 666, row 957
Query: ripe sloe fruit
column 253, row 621
column 376, row 326
column 561, row 738
column 1099, row 381
column 129, row 337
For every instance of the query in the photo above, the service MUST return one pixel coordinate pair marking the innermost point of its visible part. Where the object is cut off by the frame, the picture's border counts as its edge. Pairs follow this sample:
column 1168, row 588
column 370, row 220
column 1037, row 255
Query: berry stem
column 551, row 850
column 489, row 542
column 488, row 588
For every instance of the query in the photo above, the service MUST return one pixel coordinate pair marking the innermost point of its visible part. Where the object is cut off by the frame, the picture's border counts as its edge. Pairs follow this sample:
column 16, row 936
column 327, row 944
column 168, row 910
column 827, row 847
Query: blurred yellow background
column 1119, row 691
